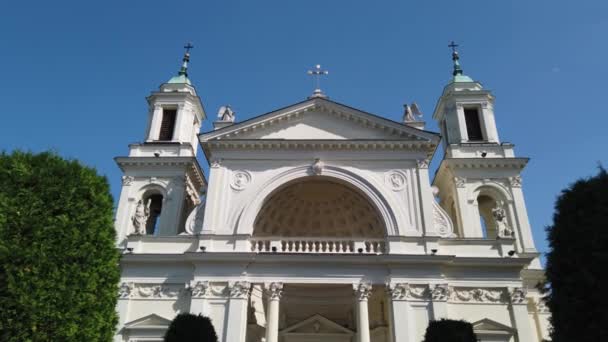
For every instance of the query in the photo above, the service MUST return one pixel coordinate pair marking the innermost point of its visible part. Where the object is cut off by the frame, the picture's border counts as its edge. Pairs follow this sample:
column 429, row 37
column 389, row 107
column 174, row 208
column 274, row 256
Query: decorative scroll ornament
column 127, row 180
column 199, row 289
column 517, row 295
column 477, row 295
column 240, row 180
column 239, row 289
column 124, row 291
column 362, row 290
column 140, row 218
column 442, row 221
column 500, row 218
column 317, row 167
column 440, row 292
column 274, row 290
column 396, row 180
column 194, row 222
column 460, row 182
column 515, row 182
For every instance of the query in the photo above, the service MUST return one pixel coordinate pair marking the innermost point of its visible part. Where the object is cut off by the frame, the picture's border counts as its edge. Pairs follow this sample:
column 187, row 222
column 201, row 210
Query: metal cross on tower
column 453, row 46
column 317, row 72
column 184, row 69
column 188, row 46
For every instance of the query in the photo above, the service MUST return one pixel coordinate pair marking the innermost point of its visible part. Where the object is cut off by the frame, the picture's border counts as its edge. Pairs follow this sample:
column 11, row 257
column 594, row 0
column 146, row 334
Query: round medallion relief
column 395, row 180
column 240, row 180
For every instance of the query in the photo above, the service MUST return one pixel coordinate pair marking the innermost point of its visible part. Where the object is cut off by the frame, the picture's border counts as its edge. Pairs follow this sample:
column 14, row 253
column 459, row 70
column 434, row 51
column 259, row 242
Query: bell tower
column 479, row 179
column 162, row 179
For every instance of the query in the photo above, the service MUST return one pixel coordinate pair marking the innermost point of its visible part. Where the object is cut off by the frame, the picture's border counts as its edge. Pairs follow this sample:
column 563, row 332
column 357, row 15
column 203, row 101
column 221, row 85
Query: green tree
column 58, row 262
column 448, row 330
column 577, row 262
column 187, row 327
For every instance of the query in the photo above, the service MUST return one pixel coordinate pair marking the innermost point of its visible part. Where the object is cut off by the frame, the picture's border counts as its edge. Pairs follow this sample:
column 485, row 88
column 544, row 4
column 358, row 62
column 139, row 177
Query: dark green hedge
column 58, row 262
column 187, row 327
column 577, row 262
column 447, row 330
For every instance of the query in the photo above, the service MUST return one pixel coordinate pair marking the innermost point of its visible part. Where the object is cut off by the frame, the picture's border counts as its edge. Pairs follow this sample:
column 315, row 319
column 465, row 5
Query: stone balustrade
column 317, row 245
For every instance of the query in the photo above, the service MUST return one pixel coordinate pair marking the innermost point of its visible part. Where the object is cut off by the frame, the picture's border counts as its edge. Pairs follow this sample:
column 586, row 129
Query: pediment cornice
column 395, row 130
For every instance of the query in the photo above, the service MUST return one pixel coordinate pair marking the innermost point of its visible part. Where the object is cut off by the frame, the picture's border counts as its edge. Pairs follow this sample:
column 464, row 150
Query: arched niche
column 488, row 198
column 318, row 207
column 246, row 214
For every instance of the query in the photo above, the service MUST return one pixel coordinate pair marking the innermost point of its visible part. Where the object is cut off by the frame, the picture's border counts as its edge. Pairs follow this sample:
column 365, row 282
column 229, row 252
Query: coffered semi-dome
column 318, row 207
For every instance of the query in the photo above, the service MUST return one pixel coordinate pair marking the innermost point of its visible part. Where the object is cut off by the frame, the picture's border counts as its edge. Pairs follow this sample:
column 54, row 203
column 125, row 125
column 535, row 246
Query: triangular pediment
column 488, row 325
column 149, row 321
column 317, row 324
column 319, row 119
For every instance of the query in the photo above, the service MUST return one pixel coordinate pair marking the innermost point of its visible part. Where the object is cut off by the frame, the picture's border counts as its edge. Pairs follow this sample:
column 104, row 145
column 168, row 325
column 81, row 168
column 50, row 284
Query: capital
column 274, row 290
column 362, row 290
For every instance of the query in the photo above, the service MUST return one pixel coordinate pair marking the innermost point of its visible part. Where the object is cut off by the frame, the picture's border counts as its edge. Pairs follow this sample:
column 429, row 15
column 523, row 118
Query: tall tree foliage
column 187, row 327
column 448, row 330
column 58, row 262
column 578, row 260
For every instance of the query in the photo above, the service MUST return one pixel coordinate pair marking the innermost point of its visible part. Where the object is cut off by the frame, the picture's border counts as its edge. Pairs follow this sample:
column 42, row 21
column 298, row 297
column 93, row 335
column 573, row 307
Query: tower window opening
column 471, row 117
column 156, row 204
column 167, row 124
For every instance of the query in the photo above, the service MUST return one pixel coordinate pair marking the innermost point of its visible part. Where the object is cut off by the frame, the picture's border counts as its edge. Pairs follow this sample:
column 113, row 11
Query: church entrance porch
column 317, row 312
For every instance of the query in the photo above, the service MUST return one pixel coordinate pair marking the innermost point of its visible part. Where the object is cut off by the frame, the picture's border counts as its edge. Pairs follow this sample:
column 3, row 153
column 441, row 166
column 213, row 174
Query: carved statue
column 142, row 212
column 500, row 217
column 226, row 114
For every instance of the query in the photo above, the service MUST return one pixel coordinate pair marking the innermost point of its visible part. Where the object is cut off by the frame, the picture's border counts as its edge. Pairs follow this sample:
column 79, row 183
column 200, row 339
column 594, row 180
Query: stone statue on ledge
column 140, row 219
column 500, row 218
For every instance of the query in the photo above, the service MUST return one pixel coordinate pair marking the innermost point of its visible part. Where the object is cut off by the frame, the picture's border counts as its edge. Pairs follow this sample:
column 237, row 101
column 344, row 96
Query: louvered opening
column 167, row 124
column 471, row 117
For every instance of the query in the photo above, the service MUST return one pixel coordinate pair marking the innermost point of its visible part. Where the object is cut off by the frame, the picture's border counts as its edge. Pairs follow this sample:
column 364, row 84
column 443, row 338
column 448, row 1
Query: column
column 439, row 300
column 519, row 315
column 274, row 292
column 401, row 321
column 362, row 293
column 199, row 291
column 155, row 122
column 236, row 321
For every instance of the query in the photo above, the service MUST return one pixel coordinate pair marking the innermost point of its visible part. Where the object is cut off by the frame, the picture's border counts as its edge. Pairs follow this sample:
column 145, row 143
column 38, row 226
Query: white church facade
column 320, row 222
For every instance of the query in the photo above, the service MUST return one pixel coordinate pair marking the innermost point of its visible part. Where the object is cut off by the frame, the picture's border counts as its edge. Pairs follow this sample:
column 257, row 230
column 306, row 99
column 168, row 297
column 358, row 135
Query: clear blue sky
column 75, row 74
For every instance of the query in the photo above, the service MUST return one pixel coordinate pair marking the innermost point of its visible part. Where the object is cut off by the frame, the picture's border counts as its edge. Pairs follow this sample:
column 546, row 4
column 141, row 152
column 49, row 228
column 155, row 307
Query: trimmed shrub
column 577, row 262
column 187, row 327
column 58, row 261
column 447, row 330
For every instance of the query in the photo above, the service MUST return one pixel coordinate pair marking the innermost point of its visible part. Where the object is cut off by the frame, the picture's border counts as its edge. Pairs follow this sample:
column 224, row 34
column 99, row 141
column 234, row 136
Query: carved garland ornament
column 200, row 289
column 404, row 291
column 517, row 295
column 478, row 295
column 145, row 290
column 440, row 292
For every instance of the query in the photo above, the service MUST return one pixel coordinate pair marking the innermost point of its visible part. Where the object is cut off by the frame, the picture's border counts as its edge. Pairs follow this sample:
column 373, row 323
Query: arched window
column 156, row 205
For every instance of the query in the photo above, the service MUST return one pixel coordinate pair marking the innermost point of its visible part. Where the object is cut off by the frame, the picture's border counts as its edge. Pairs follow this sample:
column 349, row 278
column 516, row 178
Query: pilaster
column 519, row 314
column 236, row 319
column 440, row 293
